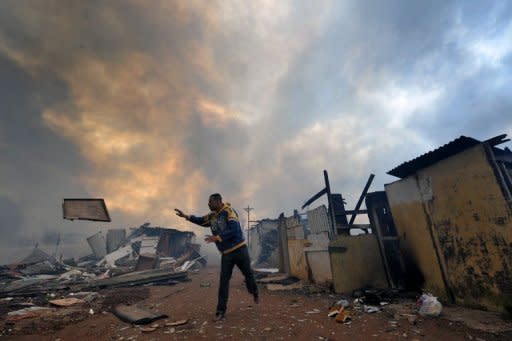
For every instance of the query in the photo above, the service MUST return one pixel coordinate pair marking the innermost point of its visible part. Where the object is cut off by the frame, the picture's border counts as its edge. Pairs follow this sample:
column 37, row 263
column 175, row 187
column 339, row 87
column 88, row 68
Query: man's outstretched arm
column 201, row 221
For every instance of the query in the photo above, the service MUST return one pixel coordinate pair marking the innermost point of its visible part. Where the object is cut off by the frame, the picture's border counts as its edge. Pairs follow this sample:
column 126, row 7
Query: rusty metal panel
column 85, row 209
column 115, row 238
column 318, row 220
column 416, row 245
column 472, row 225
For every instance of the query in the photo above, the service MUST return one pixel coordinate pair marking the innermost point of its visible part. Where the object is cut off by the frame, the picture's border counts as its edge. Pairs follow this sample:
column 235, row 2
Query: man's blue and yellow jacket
column 225, row 226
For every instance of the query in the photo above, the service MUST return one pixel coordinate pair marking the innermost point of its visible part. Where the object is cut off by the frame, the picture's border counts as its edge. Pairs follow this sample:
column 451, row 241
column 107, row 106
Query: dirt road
column 279, row 316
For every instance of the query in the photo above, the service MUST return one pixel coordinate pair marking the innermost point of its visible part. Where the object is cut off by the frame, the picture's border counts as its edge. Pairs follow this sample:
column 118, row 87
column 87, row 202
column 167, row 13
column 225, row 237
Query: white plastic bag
column 429, row 305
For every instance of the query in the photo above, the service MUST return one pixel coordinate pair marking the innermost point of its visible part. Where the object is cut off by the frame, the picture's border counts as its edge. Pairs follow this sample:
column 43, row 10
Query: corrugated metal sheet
column 115, row 238
column 454, row 147
column 318, row 220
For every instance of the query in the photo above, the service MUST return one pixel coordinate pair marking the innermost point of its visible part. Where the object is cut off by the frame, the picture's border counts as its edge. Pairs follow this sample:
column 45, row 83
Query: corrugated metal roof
column 318, row 220
column 454, row 147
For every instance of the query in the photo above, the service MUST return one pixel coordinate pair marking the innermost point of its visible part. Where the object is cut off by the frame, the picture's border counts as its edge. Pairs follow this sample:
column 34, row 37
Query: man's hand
column 211, row 239
column 180, row 213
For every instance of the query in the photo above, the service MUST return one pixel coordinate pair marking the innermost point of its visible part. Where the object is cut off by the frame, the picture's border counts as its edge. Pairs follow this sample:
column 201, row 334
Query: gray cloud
column 156, row 105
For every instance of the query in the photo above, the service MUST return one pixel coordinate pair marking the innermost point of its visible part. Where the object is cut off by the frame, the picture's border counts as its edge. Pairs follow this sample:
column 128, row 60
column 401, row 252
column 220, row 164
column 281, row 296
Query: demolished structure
column 445, row 227
column 148, row 255
column 452, row 208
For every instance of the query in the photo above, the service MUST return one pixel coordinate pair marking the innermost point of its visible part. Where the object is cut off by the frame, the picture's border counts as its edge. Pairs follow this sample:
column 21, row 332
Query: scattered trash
column 370, row 309
column 314, row 311
column 205, row 285
column 343, row 316
column 411, row 318
column 428, row 305
column 343, row 303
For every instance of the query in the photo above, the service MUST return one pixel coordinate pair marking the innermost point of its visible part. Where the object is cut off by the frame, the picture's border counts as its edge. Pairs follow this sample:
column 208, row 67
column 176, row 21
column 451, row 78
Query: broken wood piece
column 66, row 302
column 176, row 323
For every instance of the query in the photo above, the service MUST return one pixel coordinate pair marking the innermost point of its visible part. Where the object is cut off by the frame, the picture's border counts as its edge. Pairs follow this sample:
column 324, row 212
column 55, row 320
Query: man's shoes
column 219, row 317
column 256, row 298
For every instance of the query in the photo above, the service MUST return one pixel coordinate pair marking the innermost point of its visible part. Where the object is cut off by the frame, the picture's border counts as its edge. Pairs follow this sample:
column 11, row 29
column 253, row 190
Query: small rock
column 267, row 329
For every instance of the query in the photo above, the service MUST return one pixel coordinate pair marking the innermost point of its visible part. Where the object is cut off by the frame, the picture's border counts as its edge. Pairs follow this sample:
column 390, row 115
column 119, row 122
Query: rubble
column 147, row 256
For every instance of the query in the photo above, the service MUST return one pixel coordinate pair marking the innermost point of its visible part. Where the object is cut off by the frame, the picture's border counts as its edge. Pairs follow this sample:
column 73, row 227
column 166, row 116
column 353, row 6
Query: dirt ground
column 279, row 316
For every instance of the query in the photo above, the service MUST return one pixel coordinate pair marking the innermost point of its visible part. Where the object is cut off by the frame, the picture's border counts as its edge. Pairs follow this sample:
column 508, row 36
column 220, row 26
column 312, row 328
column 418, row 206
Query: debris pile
column 40, row 284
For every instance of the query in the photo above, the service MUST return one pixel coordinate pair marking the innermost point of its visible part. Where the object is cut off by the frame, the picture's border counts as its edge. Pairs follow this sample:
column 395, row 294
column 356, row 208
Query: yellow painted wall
column 356, row 262
column 298, row 263
column 471, row 225
column 415, row 238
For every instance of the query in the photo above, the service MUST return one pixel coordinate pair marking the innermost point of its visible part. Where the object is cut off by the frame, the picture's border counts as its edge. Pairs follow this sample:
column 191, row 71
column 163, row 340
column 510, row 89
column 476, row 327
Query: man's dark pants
column 239, row 257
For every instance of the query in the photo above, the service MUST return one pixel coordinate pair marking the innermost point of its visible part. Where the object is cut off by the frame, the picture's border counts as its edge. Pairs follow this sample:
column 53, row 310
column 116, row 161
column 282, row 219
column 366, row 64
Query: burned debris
column 147, row 256
column 435, row 238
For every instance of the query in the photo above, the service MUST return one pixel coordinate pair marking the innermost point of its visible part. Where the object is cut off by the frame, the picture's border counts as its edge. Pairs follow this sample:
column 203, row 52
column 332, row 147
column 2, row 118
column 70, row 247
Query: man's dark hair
column 216, row 196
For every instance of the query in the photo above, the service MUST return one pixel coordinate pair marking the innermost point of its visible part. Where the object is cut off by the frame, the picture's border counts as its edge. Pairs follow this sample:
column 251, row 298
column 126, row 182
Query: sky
column 155, row 105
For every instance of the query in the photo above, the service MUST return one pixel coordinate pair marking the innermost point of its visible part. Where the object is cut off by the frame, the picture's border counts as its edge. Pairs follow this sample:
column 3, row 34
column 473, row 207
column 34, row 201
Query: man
column 229, row 239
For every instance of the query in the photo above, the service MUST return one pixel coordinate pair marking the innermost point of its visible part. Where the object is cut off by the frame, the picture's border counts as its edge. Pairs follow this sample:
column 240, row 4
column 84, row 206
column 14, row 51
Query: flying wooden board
column 85, row 209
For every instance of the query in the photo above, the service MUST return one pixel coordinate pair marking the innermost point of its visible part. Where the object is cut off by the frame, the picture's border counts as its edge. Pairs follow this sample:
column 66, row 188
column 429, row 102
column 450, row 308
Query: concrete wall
column 356, row 262
column 320, row 265
column 453, row 216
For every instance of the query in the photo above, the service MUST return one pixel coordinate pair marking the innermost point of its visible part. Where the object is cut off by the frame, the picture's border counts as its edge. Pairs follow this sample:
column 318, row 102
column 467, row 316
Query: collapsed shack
column 443, row 228
column 453, row 213
column 147, row 256
column 317, row 246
